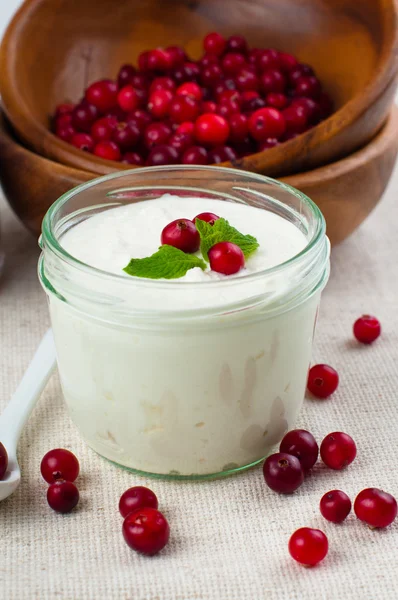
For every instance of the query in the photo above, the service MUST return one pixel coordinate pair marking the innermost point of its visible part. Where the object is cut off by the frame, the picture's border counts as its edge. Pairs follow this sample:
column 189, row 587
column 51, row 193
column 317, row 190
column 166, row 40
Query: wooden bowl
column 53, row 48
column 346, row 191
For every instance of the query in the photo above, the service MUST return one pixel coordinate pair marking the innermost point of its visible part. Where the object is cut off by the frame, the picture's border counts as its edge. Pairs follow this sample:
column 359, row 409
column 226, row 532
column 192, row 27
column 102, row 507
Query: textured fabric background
column 229, row 537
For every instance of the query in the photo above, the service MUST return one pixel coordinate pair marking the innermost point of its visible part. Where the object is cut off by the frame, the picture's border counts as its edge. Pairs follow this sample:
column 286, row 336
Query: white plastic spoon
column 21, row 405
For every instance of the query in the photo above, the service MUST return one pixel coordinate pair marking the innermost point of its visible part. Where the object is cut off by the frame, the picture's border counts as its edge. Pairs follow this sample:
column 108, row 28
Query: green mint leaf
column 167, row 263
column 222, row 231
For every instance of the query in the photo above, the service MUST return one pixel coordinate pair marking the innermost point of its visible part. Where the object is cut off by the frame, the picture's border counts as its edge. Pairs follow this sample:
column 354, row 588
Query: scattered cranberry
column 367, row 329
column 335, row 506
column 338, row 450
column 211, row 129
column 156, row 134
column 195, row 155
column 83, row 141
column 62, row 496
column 162, row 155
column 181, row 234
column 136, row 498
column 3, row 461
column 267, row 122
column 375, row 507
column 301, row 444
column 125, row 75
column 133, row 158
column 283, row 473
column 107, row 150
column 146, row 531
column 208, row 217
column 322, row 380
column 214, row 43
column 83, row 116
column 232, row 63
column 308, row 546
column 59, row 464
column 102, row 94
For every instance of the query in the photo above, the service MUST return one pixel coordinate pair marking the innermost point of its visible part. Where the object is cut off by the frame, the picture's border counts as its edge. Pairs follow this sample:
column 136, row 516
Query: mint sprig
column 167, row 263
column 222, row 231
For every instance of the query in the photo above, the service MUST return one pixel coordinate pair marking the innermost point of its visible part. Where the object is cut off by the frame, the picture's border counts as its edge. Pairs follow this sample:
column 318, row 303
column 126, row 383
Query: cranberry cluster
column 232, row 102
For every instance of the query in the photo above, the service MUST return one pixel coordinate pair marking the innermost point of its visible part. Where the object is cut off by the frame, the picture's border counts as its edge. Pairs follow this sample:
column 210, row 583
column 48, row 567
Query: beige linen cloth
column 228, row 537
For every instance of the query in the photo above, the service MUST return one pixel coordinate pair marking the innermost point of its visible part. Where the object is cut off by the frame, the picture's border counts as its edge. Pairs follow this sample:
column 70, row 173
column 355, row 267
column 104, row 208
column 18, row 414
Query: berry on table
column 181, row 234
column 335, row 506
column 308, row 546
column 283, row 473
column 375, row 507
column 3, row 461
column 136, row 498
column 322, row 380
column 367, row 329
column 146, row 531
column 301, row 444
column 226, row 258
column 338, row 450
column 59, row 464
column 62, row 496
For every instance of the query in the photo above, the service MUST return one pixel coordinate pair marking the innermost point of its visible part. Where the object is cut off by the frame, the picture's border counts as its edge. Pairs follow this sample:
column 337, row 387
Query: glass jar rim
column 50, row 241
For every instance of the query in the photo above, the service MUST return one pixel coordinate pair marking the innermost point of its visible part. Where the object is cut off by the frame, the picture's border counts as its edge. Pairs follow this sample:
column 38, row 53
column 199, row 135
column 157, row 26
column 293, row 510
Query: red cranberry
column 208, row 59
column 208, row 107
column 287, row 61
column 181, row 234
column 222, row 154
column 136, row 498
column 159, row 103
column 63, row 109
column 267, row 122
column 141, row 117
column 266, row 144
column 253, row 55
column 158, row 60
column 146, row 531
column 249, row 95
column 238, row 128
column 237, row 43
column 272, row 80
column 195, row 155
column 367, row 329
column 124, row 77
column 176, row 55
column 126, row 135
column 276, row 100
column 208, row 217
column 211, row 129
column 335, row 506
column 102, row 94
column 156, row 134
column 375, row 507
column 181, row 141
column 83, row 116
column 162, row 155
column 228, row 96
column 140, row 81
column 322, row 380
column 228, row 109
column 3, row 461
column 338, row 450
column 65, row 132
column 102, row 129
column 59, row 464
column 63, row 120
column 311, row 109
column 232, row 63
column 308, row 546
column 268, row 59
column 222, row 86
column 108, row 150
column 250, row 106
column 300, row 70
column 308, row 86
column 246, row 80
column 214, row 43
column 133, row 158
column 183, row 108
column 226, row 258
column 128, row 98
column 162, row 83
column 83, row 141
column 211, row 75
column 190, row 88
column 295, row 119
column 301, row 444
column 62, row 496
column 283, row 473
column 189, row 71
column 116, row 113
column 325, row 104
column 186, row 127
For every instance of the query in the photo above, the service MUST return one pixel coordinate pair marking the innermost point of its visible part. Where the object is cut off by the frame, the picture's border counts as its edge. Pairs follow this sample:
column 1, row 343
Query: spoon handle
column 23, row 401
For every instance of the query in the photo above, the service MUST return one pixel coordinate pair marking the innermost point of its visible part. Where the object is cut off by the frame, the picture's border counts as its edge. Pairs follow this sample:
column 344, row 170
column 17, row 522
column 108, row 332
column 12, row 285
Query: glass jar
column 195, row 383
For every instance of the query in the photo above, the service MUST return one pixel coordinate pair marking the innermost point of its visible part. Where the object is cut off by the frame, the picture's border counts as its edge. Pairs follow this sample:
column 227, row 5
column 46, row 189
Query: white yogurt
column 197, row 398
